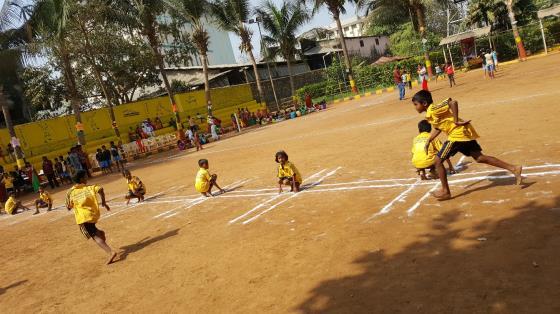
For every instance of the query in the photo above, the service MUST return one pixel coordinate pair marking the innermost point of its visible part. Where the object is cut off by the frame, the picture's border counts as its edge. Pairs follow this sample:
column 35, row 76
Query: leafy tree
column 42, row 90
column 282, row 23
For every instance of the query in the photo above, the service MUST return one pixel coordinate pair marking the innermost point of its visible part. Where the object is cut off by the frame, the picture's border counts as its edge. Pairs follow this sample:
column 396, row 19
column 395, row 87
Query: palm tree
column 518, row 41
column 143, row 15
column 336, row 7
column 231, row 16
column 489, row 13
column 282, row 23
column 194, row 13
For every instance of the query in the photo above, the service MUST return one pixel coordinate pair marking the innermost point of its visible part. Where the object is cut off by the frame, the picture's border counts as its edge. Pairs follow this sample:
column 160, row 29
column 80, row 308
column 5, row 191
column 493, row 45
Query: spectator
column 397, row 78
column 74, row 159
column 131, row 135
column 49, row 171
column 107, row 158
column 173, row 123
column 200, row 117
column 117, row 158
column 158, row 123
column 192, row 123
column 234, row 122
column 100, row 160
column 84, row 160
column 11, row 152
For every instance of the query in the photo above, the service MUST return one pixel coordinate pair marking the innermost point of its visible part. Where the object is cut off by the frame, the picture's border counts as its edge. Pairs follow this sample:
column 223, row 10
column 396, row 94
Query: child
column 44, row 201
column 196, row 140
column 8, row 182
column 450, row 74
column 136, row 188
column 422, row 160
column 116, row 156
column 101, row 160
column 13, row 205
column 82, row 198
column 438, row 71
column 204, row 181
column 408, row 79
column 107, row 158
column 461, row 137
column 287, row 173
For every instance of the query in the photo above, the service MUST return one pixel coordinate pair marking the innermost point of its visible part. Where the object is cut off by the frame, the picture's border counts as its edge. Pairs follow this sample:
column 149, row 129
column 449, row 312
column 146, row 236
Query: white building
column 220, row 50
column 352, row 27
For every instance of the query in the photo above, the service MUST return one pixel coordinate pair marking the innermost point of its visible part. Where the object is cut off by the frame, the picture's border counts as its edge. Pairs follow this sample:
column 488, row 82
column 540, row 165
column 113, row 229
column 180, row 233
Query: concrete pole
column 543, row 37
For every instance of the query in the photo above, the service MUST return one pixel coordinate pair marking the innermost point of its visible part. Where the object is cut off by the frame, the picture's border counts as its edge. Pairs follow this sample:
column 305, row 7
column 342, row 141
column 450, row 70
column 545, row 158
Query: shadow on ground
column 10, row 286
column 508, row 266
column 133, row 248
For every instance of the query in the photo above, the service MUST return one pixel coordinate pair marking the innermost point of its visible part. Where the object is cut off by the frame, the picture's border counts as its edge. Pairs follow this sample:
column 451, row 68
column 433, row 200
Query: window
column 361, row 43
column 346, row 29
column 377, row 41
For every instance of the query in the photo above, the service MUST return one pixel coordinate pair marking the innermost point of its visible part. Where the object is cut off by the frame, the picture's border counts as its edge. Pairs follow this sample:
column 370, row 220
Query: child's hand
column 461, row 123
column 427, row 147
column 106, row 206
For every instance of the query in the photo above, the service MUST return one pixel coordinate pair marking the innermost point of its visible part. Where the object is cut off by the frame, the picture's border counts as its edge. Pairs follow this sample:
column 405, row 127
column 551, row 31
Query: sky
column 321, row 19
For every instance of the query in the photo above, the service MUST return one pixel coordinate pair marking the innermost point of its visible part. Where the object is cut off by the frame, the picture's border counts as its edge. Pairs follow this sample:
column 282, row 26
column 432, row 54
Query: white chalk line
column 291, row 197
column 199, row 200
column 234, row 220
column 400, row 198
column 147, row 199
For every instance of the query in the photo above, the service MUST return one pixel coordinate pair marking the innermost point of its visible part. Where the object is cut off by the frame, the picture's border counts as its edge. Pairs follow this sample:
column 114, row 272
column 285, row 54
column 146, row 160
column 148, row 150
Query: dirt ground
column 364, row 237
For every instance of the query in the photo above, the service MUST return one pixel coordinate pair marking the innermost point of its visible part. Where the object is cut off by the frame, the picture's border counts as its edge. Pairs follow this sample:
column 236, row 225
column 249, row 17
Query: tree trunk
column 97, row 74
column 336, row 16
column 207, row 95
column 520, row 48
column 10, row 126
column 291, row 76
column 257, row 76
column 419, row 9
column 73, row 91
column 154, row 44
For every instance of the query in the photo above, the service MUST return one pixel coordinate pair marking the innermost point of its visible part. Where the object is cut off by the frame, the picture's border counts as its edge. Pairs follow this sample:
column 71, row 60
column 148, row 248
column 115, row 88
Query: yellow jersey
column 420, row 159
column 10, row 205
column 83, row 200
column 135, row 184
column 288, row 170
column 202, row 182
column 440, row 117
column 45, row 197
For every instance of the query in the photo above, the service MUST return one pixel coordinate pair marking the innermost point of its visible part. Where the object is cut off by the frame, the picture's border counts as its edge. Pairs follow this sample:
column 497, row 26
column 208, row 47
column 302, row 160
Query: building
column 319, row 54
column 220, row 50
column 352, row 27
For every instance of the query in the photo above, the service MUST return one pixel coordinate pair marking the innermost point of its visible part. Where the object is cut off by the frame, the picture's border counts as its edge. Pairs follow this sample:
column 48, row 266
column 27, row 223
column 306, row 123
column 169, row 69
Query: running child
column 136, row 188
column 13, row 205
column 426, row 161
column 44, row 201
column 461, row 137
column 288, row 174
column 204, row 180
column 82, row 198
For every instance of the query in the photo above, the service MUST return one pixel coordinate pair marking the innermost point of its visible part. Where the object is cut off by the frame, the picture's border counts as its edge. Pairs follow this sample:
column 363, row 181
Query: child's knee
column 438, row 161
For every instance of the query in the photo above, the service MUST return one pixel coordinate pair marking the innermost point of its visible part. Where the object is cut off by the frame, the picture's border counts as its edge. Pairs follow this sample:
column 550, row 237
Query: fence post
column 543, row 37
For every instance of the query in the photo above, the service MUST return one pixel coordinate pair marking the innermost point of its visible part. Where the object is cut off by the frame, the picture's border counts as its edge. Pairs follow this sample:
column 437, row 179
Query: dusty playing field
column 364, row 237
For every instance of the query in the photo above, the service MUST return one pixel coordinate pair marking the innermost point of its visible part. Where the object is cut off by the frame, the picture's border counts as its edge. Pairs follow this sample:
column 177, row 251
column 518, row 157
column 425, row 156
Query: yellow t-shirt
column 83, row 200
column 45, row 197
column 288, row 170
column 10, row 205
column 420, row 159
column 440, row 117
column 135, row 184
column 202, row 182
column 9, row 182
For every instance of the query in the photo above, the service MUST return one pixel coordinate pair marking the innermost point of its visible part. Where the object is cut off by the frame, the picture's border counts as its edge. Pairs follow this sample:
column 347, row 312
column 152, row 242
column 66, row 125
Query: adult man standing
column 48, row 170
column 397, row 77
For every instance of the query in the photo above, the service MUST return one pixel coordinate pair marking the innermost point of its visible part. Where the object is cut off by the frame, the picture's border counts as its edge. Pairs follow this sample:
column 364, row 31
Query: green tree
column 282, row 24
column 193, row 13
column 336, row 7
column 231, row 16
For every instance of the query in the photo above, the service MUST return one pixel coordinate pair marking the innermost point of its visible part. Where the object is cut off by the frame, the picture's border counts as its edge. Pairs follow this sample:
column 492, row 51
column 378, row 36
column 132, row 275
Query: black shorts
column 42, row 204
column 131, row 194
column 450, row 148
column 282, row 179
column 88, row 229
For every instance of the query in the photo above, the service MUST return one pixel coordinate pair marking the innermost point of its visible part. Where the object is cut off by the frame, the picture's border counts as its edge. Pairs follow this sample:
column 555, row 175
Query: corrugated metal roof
column 477, row 32
column 555, row 10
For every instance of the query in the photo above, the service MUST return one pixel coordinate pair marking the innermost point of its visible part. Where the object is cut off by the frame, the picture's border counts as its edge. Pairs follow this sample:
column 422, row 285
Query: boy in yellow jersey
column 136, row 188
column 461, row 137
column 288, row 174
column 423, row 160
column 204, row 180
column 82, row 198
column 12, row 205
column 44, row 201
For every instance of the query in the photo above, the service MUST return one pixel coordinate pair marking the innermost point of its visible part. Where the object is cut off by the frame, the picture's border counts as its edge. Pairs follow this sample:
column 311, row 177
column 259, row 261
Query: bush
column 315, row 90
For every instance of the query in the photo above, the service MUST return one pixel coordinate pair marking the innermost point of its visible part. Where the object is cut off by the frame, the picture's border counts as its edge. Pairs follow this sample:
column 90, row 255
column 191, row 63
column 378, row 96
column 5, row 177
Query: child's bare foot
column 441, row 196
column 517, row 173
column 423, row 177
column 111, row 257
column 35, row 213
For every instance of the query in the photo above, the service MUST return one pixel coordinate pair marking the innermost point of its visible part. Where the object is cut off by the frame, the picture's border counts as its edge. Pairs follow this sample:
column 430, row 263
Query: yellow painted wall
column 59, row 134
